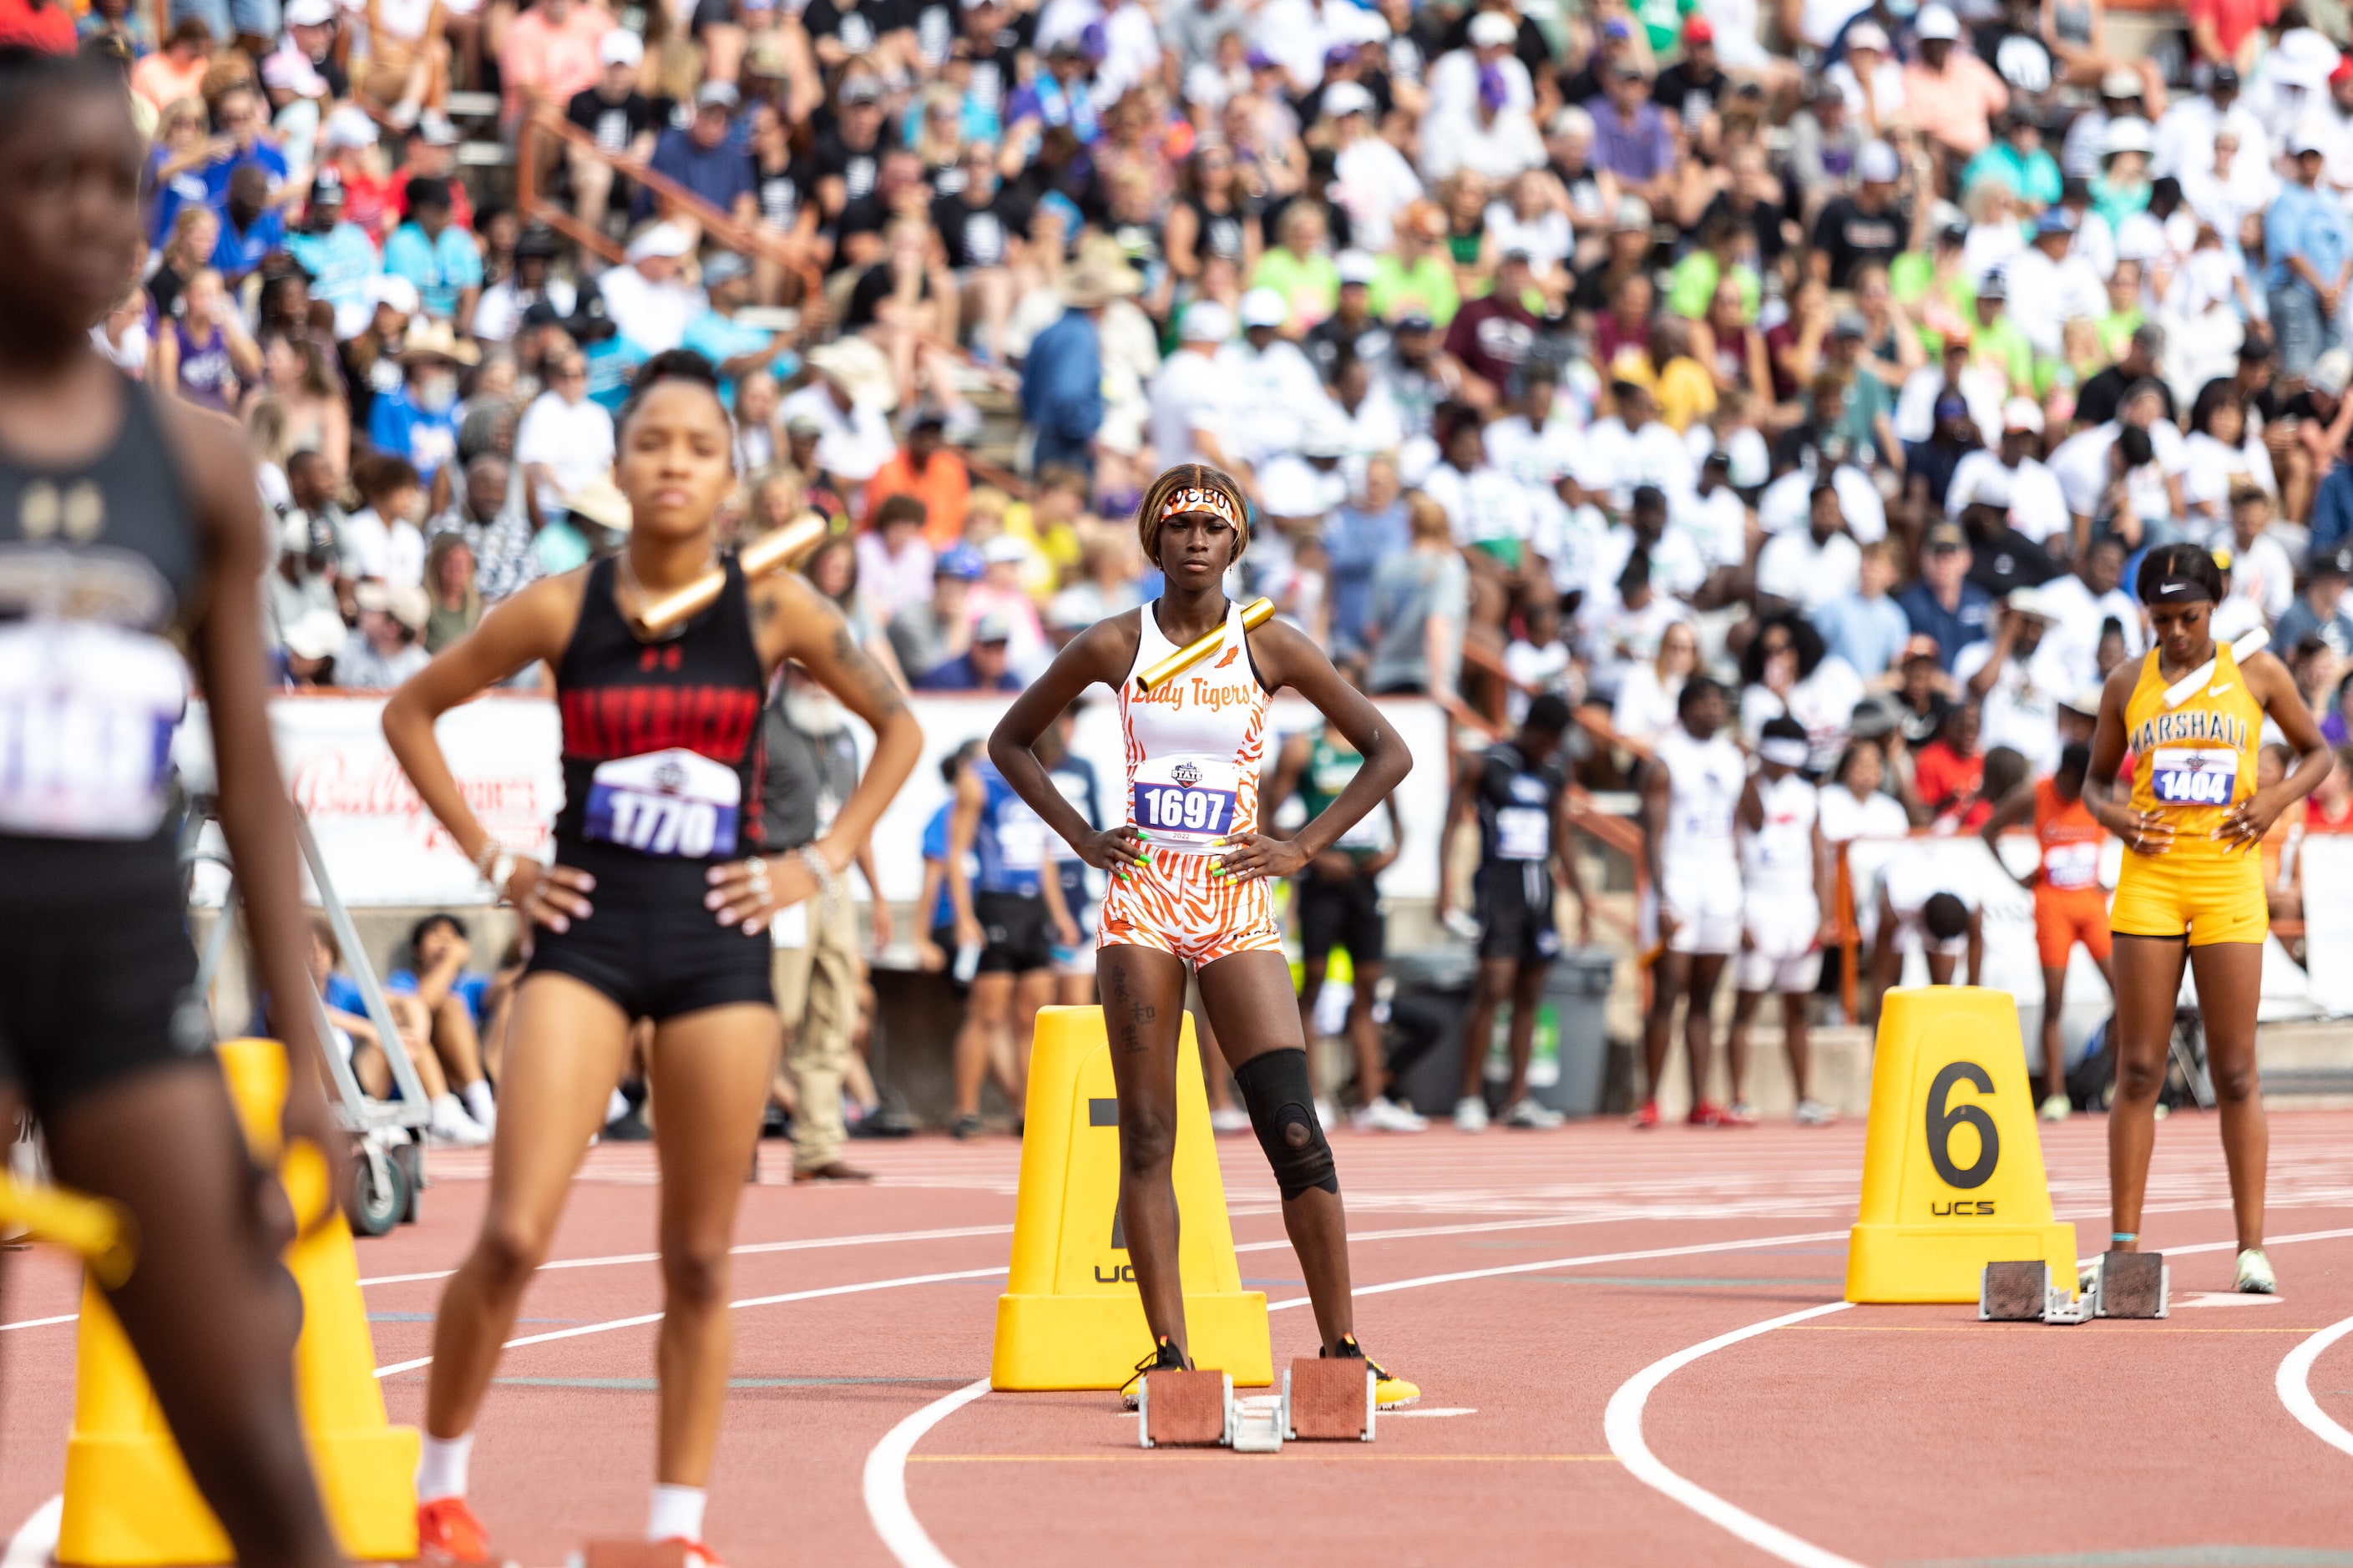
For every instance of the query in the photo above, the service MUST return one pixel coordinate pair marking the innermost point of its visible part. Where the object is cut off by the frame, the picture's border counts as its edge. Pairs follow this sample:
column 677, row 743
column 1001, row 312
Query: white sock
column 616, row 1107
column 446, row 1105
column 676, row 1514
column 441, row 1467
column 478, row 1103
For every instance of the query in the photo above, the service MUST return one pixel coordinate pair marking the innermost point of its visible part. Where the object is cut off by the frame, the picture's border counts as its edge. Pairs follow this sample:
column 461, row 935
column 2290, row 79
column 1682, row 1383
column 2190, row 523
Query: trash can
column 1430, row 998
column 1571, row 1055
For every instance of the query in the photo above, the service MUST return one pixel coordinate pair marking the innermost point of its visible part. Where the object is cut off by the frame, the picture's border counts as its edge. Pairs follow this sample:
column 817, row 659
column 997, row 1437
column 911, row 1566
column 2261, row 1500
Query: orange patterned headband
column 1198, row 499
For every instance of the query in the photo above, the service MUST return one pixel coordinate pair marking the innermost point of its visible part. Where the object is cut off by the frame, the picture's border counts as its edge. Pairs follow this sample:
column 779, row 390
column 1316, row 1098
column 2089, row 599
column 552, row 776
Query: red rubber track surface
column 1885, row 1434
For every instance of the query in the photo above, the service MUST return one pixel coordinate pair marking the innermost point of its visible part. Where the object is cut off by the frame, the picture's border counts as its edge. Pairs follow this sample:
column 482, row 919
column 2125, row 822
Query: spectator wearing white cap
column 1869, row 79
column 2309, row 244
column 2121, row 93
column 1189, row 420
column 2291, row 79
column 2017, row 677
column 1373, row 182
column 650, row 302
column 1952, row 95
column 2037, row 507
column 622, row 120
column 1867, row 226
column 1454, row 75
column 1268, row 386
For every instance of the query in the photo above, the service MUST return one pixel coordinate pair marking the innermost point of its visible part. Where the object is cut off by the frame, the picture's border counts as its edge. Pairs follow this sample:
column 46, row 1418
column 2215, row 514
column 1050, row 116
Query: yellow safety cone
column 128, row 1496
column 1070, row 1317
column 1952, row 1166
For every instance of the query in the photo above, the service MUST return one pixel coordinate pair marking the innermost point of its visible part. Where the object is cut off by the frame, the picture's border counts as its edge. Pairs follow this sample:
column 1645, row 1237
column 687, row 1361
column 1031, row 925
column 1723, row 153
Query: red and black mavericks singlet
column 658, row 753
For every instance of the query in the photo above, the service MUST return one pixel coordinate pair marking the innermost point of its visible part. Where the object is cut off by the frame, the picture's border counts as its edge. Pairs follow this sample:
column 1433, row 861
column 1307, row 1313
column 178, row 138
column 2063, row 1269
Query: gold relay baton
column 769, row 552
column 100, row 1230
column 1255, row 614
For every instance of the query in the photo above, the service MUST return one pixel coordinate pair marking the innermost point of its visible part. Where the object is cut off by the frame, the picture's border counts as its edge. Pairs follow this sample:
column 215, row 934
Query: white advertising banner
column 383, row 847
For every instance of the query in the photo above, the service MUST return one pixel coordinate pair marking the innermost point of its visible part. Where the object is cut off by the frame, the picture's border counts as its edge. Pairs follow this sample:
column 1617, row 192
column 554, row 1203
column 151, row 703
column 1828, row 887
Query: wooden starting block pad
column 1321, row 1400
column 1328, row 1399
column 2120, row 1285
column 629, row 1554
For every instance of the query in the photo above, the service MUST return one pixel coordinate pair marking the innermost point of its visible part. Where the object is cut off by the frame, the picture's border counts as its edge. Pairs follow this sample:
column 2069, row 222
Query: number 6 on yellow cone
column 1952, row 1166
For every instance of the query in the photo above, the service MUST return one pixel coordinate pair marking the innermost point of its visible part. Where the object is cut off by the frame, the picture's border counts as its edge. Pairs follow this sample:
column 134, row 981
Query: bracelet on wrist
column 829, row 881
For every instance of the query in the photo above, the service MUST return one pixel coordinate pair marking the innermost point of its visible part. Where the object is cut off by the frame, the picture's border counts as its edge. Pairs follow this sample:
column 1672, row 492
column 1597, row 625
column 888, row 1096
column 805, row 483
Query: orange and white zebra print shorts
column 1174, row 905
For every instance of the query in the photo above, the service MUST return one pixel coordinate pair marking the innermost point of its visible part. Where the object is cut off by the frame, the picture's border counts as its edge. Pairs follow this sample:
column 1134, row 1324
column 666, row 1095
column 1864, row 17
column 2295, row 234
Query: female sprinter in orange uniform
column 1191, row 886
column 657, row 908
column 2192, row 888
column 2070, row 906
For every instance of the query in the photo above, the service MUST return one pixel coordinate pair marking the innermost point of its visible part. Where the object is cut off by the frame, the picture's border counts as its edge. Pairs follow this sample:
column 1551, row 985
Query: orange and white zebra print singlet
column 1195, row 751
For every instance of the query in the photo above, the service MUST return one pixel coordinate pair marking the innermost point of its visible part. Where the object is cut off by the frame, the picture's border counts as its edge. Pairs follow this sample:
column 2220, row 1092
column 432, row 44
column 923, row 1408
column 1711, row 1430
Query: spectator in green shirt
column 1998, row 343
column 1691, row 286
column 1299, row 265
column 1414, row 273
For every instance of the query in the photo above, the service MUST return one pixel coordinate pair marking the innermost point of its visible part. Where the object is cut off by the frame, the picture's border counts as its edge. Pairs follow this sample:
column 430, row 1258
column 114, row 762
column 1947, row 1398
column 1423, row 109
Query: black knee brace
column 1282, row 1105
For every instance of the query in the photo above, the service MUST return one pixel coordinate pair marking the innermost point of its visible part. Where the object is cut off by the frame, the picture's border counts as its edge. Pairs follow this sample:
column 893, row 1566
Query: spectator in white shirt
column 2050, row 282
column 1373, row 182
column 2126, row 474
column 1647, row 688
column 563, row 439
column 2037, row 507
column 1487, row 508
column 850, row 402
column 1454, row 77
column 894, row 563
column 2086, row 600
column 1806, row 569
column 1188, row 420
column 2017, row 680
column 2260, row 570
column 649, row 303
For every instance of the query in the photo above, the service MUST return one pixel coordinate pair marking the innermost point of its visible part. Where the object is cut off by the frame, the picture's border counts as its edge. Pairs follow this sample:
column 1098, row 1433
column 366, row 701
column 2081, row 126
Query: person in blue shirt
column 449, row 1004
column 356, row 1036
column 336, row 253
column 737, row 349
column 1059, row 95
column 981, row 667
column 241, row 118
column 707, row 157
column 441, row 259
column 1062, row 380
column 2310, row 244
column 1942, row 603
column 1010, row 909
column 250, row 227
column 1359, row 538
column 935, row 934
column 1074, row 967
column 418, row 419
column 1867, row 627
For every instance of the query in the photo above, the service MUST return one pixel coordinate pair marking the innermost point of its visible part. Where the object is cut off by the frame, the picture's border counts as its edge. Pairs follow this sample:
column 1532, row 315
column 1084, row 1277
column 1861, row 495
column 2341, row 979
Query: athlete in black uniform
column 127, row 526
column 657, row 908
column 1521, row 798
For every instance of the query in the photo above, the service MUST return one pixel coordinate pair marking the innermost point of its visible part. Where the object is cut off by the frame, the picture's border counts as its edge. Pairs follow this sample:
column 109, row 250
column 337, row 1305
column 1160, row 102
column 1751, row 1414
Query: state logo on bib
column 673, row 802
column 1191, row 800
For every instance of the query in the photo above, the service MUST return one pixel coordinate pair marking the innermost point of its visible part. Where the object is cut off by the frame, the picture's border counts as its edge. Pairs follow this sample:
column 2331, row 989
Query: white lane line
column 809, row 1244
column 40, row 1322
column 885, row 1484
column 1621, row 1424
column 2296, row 1392
column 886, row 1481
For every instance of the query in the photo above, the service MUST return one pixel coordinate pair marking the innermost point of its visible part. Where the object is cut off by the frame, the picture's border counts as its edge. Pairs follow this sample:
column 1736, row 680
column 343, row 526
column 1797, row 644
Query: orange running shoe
column 1704, row 1114
column 448, row 1531
column 1648, row 1116
column 695, row 1551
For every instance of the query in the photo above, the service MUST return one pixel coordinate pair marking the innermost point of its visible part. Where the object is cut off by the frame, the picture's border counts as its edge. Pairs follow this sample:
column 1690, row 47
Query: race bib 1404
column 2194, row 776
column 1191, row 800
column 665, row 803
column 87, row 712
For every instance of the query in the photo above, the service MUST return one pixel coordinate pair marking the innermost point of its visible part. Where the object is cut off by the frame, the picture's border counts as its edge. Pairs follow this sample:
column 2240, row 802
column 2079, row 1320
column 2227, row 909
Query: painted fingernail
column 714, row 901
column 560, row 923
column 587, row 883
column 714, row 874
column 727, row 917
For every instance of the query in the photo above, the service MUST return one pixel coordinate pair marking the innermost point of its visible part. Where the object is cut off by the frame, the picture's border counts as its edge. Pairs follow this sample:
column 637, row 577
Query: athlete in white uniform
column 1916, row 904
column 1786, row 892
column 1691, row 915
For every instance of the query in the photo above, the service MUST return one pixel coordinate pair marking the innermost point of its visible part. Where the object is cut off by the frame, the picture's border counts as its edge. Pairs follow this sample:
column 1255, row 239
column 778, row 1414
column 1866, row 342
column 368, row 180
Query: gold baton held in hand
column 769, row 552
column 1255, row 614
column 100, row 1230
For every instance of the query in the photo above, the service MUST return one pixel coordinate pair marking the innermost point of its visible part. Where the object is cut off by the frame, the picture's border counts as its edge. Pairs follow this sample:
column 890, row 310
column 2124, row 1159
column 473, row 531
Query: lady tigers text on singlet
column 2191, row 765
column 1195, row 750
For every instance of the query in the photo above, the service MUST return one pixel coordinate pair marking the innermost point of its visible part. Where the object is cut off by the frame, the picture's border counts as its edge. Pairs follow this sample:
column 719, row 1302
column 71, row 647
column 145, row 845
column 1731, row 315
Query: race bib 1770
column 665, row 803
column 2194, row 776
column 1189, row 799
column 87, row 712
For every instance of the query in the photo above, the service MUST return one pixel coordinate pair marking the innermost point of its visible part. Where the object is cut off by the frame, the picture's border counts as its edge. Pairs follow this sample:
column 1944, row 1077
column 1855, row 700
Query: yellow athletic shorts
column 2214, row 898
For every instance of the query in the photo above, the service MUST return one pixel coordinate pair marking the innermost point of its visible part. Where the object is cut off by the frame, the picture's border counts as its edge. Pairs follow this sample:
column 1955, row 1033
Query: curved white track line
column 2295, row 1391
column 886, row 1464
column 886, row 1481
column 1623, row 1426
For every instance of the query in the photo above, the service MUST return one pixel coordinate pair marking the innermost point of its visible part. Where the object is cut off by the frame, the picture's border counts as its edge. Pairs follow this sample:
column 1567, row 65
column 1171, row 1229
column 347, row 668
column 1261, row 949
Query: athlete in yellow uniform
column 2193, row 887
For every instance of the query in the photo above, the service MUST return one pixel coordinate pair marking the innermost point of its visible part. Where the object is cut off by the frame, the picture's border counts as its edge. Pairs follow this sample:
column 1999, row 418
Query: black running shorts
column 93, row 993
column 1021, row 932
column 649, row 943
column 1341, row 914
column 1515, row 911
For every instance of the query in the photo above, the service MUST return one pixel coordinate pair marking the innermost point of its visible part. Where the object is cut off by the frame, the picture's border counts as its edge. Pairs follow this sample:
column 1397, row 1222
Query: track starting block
column 1322, row 1400
column 2119, row 1285
column 628, row 1554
